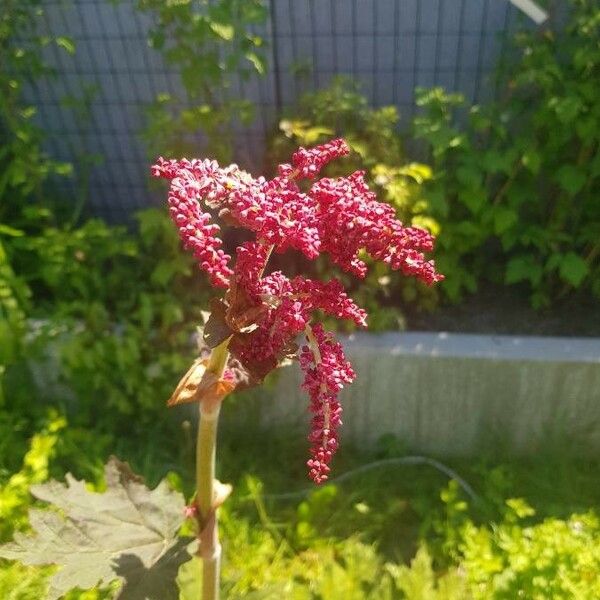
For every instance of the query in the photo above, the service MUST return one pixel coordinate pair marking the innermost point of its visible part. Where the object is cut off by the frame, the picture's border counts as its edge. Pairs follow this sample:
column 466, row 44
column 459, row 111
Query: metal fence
column 390, row 46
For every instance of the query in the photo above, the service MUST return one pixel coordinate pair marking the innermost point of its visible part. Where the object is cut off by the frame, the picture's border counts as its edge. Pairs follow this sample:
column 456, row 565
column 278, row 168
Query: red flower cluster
column 351, row 219
column 192, row 180
column 326, row 371
column 309, row 162
column 262, row 315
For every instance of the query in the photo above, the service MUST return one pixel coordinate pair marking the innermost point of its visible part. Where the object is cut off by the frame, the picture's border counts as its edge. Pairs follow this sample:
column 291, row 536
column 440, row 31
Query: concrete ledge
column 451, row 394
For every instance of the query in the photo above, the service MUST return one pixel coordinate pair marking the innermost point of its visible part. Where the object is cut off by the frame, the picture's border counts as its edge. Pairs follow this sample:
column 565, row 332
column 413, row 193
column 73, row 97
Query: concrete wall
column 452, row 394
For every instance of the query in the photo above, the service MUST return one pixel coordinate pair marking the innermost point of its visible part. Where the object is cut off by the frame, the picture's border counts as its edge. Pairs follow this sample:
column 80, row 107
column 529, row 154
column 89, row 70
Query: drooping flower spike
column 261, row 314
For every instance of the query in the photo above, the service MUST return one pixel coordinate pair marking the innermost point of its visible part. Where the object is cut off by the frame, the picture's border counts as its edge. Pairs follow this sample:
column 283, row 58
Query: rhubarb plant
column 261, row 319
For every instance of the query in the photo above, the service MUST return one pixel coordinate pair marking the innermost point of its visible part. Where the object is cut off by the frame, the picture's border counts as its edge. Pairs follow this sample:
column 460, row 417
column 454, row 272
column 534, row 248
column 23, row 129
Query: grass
column 391, row 505
column 350, row 537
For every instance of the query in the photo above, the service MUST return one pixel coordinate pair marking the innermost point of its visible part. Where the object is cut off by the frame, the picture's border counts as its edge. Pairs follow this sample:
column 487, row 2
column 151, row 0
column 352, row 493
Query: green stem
column 205, row 461
column 210, row 548
column 218, row 358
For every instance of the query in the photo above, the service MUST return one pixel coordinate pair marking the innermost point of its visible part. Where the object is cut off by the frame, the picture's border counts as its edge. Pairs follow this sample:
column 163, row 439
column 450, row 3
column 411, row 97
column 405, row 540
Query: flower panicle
column 265, row 312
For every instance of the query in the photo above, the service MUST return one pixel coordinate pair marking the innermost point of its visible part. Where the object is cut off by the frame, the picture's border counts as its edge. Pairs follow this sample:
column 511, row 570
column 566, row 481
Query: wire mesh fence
column 95, row 105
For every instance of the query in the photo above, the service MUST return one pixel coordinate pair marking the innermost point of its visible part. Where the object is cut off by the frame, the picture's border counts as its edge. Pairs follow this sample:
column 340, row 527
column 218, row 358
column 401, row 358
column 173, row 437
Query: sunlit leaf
column 66, row 44
column 127, row 533
column 223, row 30
column 257, row 61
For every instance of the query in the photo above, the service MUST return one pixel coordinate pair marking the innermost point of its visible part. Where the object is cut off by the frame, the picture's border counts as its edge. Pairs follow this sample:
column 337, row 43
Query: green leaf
column 156, row 40
column 127, row 532
column 473, row 199
column 532, row 160
column 10, row 231
column 469, row 175
column 66, row 44
column 504, row 219
column 223, row 30
column 417, row 171
column 553, row 261
column 570, row 178
column 523, row 268
column 63, row 168
column 573, row 269
column 163, row 273
column 520, row 508
column 495, row 161
column 566, row 109
column 257, row 61
column 509, row 238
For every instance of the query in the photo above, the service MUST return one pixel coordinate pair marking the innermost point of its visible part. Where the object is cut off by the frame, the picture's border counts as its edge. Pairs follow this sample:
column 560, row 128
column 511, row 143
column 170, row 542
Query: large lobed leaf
column 128, row 532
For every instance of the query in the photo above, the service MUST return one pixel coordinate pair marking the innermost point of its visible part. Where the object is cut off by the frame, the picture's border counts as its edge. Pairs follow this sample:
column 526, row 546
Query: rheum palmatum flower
column 262, row 314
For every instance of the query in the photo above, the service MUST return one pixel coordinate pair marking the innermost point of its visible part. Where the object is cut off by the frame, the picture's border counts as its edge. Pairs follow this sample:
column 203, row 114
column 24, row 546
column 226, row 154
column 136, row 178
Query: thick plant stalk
column 210, row 548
